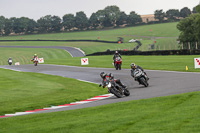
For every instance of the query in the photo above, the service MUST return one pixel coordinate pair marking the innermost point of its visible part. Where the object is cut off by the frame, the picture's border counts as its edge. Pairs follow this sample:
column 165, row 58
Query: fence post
column 182, row 45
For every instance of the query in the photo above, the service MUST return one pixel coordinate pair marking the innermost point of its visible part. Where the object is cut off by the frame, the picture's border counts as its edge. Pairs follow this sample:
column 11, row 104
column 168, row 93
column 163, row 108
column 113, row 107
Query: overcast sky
column 34, row 9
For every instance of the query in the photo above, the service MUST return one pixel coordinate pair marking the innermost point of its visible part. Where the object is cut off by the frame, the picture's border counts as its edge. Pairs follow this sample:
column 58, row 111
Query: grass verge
column 21, row 91
column 171, row 114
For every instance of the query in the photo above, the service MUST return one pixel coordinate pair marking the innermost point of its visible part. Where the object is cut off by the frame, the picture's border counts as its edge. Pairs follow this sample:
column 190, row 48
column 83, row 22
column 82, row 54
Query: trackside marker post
column 84, row 61
column 41, row 60
column 196, row 63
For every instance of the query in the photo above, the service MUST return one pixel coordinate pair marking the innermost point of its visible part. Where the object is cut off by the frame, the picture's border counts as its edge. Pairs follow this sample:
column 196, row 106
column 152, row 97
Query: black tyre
column 144, row 82
column 120, row 66
column 117, row 66
column 126, row 92
column 35, row 64
column 116, row 93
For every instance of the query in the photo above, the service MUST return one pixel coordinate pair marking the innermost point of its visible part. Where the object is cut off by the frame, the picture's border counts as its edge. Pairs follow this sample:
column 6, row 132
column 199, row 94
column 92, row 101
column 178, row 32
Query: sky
column 35, row 9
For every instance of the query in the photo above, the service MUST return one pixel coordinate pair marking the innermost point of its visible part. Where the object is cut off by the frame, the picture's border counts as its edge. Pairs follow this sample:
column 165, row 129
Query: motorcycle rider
column 115, row 56
column 10, row 60
column 134, row 67
column 34, row 56
column 111, row 77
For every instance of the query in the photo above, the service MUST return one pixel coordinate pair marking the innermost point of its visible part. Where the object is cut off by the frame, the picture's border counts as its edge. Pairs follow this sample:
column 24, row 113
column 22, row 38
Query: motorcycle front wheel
column 144, row 82
column 116, row 93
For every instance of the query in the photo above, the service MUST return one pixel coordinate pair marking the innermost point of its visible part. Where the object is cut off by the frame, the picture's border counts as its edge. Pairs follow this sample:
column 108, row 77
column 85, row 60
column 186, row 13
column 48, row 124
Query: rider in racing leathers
column 115, row 56
column 134, row 67
column 111, row 77
column 35, row 56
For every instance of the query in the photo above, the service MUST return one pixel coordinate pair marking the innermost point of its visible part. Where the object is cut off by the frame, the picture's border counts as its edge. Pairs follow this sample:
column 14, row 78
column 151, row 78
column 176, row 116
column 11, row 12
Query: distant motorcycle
column 118, row 63
column 10, row 61
column 115, row 89
column 139, row 76
column 35, row 61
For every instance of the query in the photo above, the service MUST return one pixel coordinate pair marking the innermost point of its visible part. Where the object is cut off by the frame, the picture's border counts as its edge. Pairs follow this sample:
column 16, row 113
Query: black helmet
column 102, row 74
column 133, row 66
column 111, row 76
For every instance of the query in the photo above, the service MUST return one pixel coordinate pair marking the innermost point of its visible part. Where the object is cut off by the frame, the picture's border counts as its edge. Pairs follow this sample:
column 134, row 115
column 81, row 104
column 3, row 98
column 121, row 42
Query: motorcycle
column 10, row 61
column 140, row 76
column 35, row 61
column 118, row 63
column 115, row 89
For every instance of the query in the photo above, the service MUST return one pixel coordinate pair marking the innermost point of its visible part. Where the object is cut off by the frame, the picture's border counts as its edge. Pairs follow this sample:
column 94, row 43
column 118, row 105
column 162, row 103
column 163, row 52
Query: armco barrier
column 160, row 52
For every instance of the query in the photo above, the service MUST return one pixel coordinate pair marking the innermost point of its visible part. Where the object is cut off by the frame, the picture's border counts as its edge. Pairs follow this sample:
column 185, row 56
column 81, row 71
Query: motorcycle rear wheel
column 126, row 92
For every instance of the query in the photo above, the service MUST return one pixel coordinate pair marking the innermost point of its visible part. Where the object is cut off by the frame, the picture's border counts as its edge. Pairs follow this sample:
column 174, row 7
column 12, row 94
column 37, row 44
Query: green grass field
column 157, row 30
column 61, row 57
column 21, row 91
column 171, row 114
column 138, row 32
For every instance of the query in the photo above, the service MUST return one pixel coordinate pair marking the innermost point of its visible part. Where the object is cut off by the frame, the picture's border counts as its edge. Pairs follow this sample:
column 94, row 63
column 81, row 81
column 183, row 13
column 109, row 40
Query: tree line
column 190, row 30
column 110, row 16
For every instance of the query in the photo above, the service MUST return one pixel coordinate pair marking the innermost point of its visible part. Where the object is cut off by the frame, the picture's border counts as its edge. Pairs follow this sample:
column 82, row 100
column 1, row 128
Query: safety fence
column 158, row 52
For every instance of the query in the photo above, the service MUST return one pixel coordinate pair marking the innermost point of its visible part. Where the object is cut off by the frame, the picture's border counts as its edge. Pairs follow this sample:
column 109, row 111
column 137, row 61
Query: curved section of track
column 74, row 52
column 162, row 83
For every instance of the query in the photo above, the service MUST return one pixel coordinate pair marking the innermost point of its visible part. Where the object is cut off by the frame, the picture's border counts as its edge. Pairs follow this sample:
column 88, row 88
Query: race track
column 162, row 83
column 74, row 52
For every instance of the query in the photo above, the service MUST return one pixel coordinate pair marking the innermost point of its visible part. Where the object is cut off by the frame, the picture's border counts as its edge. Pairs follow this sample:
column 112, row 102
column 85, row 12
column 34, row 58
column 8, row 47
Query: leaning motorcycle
column 35, row 61
column 139, row 76
column 115, row 89
column 118, row 63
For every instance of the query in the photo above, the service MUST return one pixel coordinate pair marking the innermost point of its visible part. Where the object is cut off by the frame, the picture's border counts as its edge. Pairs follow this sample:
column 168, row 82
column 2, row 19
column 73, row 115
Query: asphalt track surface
column 162, row 83
column 74, row 52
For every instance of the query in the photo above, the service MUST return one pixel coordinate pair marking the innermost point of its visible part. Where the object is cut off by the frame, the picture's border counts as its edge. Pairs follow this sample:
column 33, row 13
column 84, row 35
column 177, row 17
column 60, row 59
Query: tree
column 194, row 10
column 32, row 25
column 197, row 8
column 55, row 24
column 172, row 14
column 185, row 12
column 94, row 21
column 187, row 28
column 2, row 24
column 9, row 23
column 24, row 25
column 81, row 20
column 112, row 14
column 101, row 17
column 68, row 21
column 44, row 24
column 122, row 19
column 159, row 14
column 133, row 18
